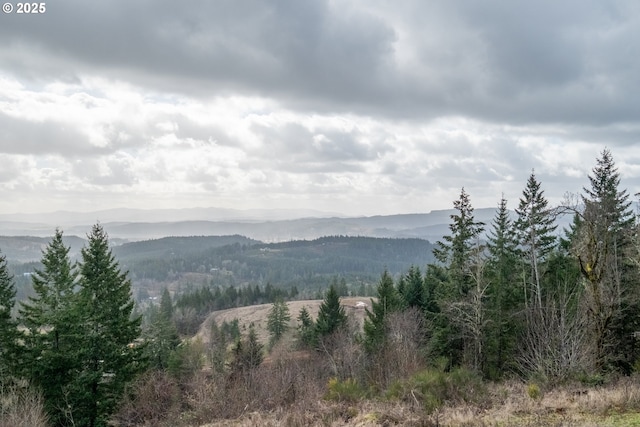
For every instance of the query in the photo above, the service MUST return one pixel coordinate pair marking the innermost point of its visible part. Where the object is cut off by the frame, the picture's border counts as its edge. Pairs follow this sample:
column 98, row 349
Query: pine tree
column 455, row 252
column 602, row 241
column 8, row 326
column 535, row 230
column 166, row 305
column 504, row 295
column 331, row 315
column 161, row 337
column 306, row 329
column 414, row 292
column 278, row 321
column 109, row 353
column 387, row 302
column 247, row 354
column 53, row 328
column 458, row 255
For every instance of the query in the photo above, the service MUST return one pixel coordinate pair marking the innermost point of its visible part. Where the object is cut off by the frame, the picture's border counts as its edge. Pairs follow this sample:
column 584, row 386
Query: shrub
column 435, row 387
column 344, row 391
column 153, row 399
column 21, row 407
column 533, row 391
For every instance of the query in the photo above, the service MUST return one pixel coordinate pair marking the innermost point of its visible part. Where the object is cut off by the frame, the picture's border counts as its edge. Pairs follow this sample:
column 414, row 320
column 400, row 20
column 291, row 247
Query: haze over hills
column 264, row 225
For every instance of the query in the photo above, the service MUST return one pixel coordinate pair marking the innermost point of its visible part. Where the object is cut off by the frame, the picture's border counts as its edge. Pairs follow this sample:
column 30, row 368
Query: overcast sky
column 359, row 107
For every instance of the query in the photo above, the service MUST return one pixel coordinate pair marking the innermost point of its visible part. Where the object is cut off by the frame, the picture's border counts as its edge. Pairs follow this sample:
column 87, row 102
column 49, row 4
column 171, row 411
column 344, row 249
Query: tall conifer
column 110, row 356
column 8, row 327
column 53, row 335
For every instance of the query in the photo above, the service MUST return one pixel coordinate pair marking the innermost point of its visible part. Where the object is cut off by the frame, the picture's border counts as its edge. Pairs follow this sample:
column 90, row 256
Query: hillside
column 258, row 314
column 188, row 262
column 29, row 248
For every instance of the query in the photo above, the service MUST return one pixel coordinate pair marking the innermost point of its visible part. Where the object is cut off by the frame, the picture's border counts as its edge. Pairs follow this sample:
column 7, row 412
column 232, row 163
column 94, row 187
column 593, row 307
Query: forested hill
column 297, row 263
column 176, row 246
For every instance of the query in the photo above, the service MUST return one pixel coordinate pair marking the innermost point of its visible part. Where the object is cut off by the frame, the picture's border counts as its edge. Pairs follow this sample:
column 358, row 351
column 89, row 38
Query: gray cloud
column 412, row 99
column 538, row 62
column 296, row 148
column 19, row 136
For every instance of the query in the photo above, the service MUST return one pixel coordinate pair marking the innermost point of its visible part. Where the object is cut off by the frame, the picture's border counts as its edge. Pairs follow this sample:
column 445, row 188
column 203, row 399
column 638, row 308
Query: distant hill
column 264, row 225
column 302, row 263
column 29, row 248
column 175, row 246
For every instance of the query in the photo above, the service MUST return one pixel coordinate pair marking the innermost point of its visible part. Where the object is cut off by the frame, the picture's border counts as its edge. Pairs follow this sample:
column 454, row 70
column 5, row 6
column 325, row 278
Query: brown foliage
column 21, row 407
column 153, row 400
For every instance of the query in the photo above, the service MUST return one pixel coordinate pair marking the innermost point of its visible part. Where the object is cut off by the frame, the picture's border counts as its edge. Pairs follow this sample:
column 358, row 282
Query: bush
column 344, row 391
column 533, row 391
column 153, row 399
column 434, row 387
column 20, row 407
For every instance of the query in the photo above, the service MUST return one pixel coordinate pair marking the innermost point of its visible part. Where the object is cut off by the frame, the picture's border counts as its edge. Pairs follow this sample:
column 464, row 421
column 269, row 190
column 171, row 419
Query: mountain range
column 264, row 225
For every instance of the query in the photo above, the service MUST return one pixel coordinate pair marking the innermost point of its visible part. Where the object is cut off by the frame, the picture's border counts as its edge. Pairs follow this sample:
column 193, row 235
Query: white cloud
column 363, row 108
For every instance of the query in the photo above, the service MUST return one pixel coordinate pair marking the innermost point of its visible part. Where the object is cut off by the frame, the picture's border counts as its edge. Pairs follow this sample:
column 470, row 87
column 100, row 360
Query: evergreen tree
column 331, row 315
column 457, row 276
column 278, row 321
column 602, row 241
column 387, row 302
column 217, row 347
column 254, row 349
column 166, row 305
column 248, row 353
column 504, row 294
column 161, row 337
column 109, row 354
column 535, row 230
column 455, row 252
column 8, row 326
column 306, row 329
column 53, row 324
column 414, row 293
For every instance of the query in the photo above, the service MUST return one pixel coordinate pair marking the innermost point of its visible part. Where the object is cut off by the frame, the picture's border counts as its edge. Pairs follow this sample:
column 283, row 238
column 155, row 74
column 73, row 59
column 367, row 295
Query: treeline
column 307, row 264
column 191, row 308
column 531, row 300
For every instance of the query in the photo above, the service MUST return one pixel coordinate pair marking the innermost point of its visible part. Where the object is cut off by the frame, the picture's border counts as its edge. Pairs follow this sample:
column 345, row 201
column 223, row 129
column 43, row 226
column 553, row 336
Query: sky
column 357, row 107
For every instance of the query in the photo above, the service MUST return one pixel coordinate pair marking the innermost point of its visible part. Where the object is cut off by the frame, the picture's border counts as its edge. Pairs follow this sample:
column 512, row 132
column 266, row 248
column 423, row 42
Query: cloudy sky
column 359, row 107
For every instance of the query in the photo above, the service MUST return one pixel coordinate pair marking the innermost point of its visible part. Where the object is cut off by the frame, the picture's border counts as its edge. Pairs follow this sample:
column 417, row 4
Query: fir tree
column 602, row 241
column 8, row 326
column 306, row 328
column 535, row 230
column 455, row 252
column 109, row 353
column 278, row 321
column 504, row 294
column 247, row 354
column 387, row 302
column 52, row 320
column 414, row 292
column 331, row 315
column 166, row 305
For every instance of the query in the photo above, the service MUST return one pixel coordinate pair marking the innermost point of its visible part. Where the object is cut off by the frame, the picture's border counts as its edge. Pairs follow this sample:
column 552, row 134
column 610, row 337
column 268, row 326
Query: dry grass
column 21, row 407
column 257, row 315
column 289, row 390
column 509, row 405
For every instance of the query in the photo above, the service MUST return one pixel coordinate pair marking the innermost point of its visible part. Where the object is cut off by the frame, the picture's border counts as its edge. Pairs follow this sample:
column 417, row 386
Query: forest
column 514, row 301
